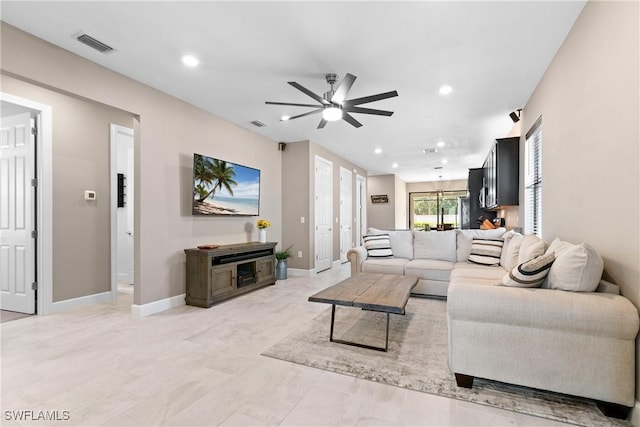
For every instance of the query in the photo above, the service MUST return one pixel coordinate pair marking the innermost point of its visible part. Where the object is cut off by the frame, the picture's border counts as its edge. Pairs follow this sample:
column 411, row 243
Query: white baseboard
column 73, row 303
column 635, row 415
column 138, row 311
column 298, row 272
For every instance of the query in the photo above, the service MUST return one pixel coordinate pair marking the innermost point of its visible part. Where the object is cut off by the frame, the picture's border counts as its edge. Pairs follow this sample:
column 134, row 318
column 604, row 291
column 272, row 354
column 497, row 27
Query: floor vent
column 258, row 123
column 93, row 43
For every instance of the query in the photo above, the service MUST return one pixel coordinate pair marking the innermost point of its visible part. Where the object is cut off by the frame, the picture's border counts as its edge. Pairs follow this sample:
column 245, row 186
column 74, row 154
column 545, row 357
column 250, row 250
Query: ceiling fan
column 333, row 104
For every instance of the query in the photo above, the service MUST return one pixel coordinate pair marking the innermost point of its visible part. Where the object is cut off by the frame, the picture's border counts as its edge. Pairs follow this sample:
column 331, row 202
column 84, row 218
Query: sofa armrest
column 356, row 257
column 588, row 313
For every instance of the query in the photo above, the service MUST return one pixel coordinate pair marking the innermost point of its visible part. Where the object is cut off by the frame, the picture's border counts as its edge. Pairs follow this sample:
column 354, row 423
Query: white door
column 346, row 213
column 361, row 208
column 17, row 245
column 323, row 213
column 122, row 217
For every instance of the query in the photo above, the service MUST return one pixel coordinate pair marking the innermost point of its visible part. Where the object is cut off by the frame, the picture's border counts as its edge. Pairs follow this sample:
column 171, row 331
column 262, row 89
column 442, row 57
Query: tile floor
column 194, row 366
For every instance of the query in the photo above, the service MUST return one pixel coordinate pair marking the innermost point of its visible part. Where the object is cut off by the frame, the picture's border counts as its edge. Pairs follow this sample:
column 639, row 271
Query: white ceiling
column 493, row 54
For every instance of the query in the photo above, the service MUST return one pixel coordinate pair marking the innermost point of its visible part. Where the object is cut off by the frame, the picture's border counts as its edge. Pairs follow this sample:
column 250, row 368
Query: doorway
column 26, row 284
column 122, row 209
column 323, row 213
column 346, row 213
column 361, row 208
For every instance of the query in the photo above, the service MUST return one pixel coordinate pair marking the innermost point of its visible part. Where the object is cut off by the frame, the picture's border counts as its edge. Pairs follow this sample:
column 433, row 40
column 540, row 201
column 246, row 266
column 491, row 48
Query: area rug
column 417, row 360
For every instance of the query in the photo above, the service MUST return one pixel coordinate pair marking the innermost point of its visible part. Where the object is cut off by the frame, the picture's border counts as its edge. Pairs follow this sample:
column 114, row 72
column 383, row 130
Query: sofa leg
column 465, row 381
column 614, row 410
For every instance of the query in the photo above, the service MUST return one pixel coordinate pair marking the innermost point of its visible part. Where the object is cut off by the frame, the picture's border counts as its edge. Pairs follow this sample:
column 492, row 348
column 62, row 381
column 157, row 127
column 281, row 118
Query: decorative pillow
column 530, row 274
column 378, row 246
column 486, row 251
column 512, row 252
column 578, row 268
column 401, row 241
column 506, row 237
column 558, row 246
column 440, row 245
column 531, row 247
column 466, row 236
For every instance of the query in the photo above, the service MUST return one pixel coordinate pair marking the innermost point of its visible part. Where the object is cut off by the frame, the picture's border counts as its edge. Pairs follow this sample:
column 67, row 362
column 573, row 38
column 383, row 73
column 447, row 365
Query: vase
column 281, row 269
column 262, row 235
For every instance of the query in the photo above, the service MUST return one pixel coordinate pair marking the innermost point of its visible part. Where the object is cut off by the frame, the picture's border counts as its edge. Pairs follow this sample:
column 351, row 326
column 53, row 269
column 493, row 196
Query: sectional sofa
column 570, row 332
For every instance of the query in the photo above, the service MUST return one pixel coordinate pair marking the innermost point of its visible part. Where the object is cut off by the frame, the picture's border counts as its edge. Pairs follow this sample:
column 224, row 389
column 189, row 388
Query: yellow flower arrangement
column 262, row 224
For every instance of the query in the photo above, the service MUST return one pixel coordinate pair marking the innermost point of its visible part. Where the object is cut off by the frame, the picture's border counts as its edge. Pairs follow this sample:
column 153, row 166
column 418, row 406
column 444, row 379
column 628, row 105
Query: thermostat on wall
column 89, row 195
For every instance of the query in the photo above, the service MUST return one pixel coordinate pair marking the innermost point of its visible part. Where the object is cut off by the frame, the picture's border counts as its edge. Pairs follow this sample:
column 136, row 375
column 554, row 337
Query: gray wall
column 81, row 234
column 168, row 133
column 588, row 100
column 381, row 215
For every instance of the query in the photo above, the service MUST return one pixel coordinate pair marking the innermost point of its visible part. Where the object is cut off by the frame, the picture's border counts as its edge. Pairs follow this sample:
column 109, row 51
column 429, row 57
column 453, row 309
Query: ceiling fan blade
column 361, row 110
column 349, row 119
column 307, row 113
column 371, row 98
column 322, row 123
column 292, row 104
column 309, row 93
column 343, row 88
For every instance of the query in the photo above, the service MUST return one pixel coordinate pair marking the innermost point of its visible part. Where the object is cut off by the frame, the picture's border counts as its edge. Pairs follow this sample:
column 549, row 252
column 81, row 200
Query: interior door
column 17, row 197
column 361, row 208
column 346, row 213
column 323, row 213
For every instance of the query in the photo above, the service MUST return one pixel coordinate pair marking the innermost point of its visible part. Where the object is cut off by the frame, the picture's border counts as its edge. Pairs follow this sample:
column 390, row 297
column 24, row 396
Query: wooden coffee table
column 386, row 293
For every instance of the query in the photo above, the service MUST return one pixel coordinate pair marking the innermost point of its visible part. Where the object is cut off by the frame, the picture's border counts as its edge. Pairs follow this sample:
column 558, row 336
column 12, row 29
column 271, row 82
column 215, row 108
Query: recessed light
column 445, row 90
column 445, row 161
column 394, row 165
column 190, row 61
column 378, row 150
column 440, row 144
column 284, row 118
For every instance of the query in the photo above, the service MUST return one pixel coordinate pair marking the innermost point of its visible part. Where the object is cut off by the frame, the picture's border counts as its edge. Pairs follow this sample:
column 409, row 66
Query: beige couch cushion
column 480, row 272
column 438, row 245
column 429, row 269
column 384, row 266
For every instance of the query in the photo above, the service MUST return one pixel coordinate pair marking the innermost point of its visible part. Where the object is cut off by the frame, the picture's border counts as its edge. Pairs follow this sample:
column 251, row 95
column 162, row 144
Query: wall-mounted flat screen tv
column 224, row 188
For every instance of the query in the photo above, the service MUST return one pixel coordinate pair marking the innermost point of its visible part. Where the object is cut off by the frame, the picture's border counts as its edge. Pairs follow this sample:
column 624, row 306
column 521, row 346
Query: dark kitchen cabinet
column 501, row 174
column 477, row 194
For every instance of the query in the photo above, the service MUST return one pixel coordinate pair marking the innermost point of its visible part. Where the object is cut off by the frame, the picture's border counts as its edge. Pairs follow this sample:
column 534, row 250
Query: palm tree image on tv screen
column 224, row 188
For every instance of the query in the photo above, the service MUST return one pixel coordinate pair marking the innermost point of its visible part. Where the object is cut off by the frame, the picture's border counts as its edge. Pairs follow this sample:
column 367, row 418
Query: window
column 533, row 180
column 434, row 208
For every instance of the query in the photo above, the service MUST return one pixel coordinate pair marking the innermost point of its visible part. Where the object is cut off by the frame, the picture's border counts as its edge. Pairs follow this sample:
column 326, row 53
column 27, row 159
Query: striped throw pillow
column 486, row 251
column 530, row 274
column 378, row 246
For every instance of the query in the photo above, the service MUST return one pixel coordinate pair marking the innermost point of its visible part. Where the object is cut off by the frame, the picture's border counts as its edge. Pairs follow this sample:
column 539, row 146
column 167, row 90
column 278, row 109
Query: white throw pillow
column 378, row 246
column 513, row 251
column 506, row 238
column 530, row 274
column 401, row 241
column 577, row 268
column 486, row 251
column 558, row 246
column 440, row 245
column 464, row 238
column 532, row 246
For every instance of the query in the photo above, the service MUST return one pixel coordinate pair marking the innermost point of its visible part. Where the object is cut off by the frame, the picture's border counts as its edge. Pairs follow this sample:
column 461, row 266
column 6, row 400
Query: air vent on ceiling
column 437, row 167
column 430, row 150
column 258, row 123
column 93, row 43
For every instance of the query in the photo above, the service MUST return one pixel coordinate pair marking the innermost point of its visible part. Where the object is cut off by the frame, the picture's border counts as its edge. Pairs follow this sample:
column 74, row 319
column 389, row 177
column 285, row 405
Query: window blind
column 533, row 180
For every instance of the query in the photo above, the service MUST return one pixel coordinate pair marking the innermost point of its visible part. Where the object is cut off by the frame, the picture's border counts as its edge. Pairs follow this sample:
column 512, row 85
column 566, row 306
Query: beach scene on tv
column 224, row 188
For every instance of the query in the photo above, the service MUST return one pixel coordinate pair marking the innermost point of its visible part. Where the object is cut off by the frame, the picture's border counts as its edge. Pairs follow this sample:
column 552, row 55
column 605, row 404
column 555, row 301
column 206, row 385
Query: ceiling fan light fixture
column 332, row 113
